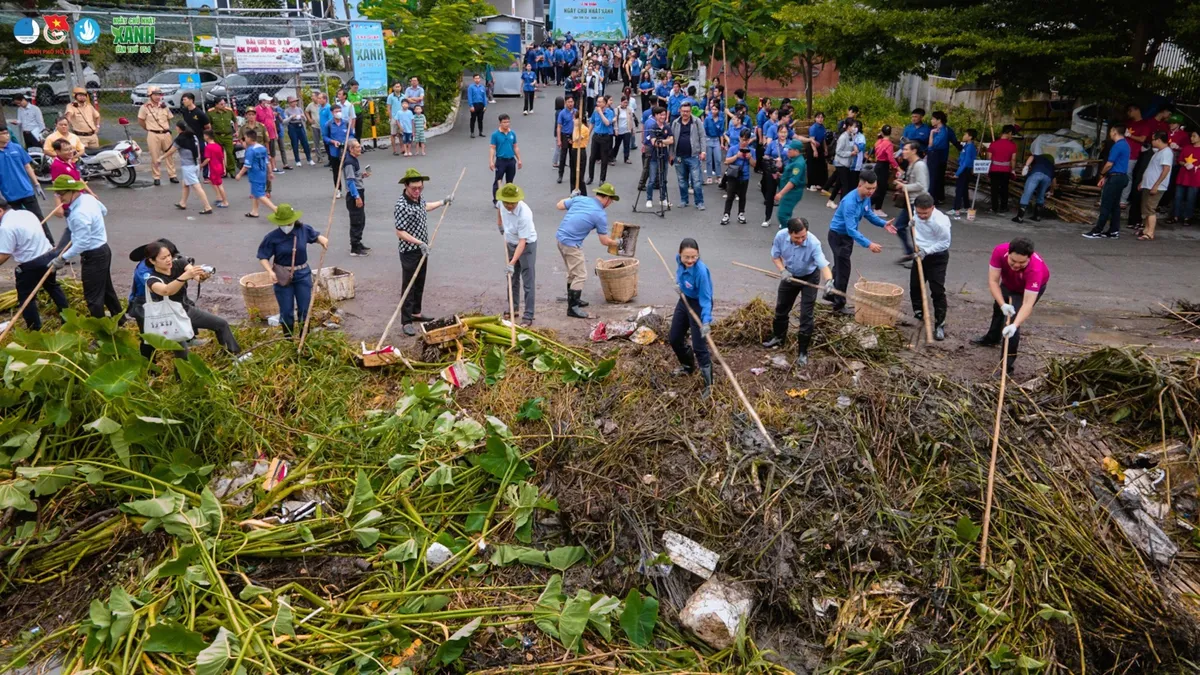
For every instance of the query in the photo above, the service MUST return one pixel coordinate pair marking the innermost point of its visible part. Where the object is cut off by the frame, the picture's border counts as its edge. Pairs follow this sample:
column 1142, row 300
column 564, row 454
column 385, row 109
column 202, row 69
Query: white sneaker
column 666, row 204
column 338, row 195
column 829, row 204
column 311, row 163
column 766, row 223
column 243, row 357
column 649, row 203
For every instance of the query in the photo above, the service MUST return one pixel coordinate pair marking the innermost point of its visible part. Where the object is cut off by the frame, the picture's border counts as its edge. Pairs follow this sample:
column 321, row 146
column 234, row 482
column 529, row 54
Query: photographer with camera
column 167, row 278
column 656, row 142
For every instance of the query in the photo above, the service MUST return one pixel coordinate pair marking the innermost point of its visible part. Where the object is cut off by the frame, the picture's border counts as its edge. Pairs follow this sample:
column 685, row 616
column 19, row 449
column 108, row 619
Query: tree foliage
column 436, row 43
column 735, row 30
column 662, row 18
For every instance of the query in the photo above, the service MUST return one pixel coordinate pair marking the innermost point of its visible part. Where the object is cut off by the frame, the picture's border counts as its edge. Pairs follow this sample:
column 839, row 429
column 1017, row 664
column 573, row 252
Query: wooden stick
column 512, row 313
column 724, row 65
column 991, row 481
column 775, row 275
column 417, row 272
column 337, row 186
column 717, row 355
column 912, row 226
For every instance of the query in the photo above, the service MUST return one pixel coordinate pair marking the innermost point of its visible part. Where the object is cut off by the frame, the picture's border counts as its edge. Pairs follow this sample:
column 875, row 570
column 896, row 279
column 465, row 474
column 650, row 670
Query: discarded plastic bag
column 644, row 336
column 461, row 374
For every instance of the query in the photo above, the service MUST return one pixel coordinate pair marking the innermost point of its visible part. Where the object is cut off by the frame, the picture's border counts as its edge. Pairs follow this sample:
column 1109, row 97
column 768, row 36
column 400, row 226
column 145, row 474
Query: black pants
column 201, row 320
column 936, row 163
column 841, row 178
column 590, row 106
column 735, row 188
column 818, row 170
column 1135, row 195
column 882, row 172
column 358, row 129
column 477, row 118
column 506, row 168
column 625, row 141
column 601, row 152
column 528, row 101
column 770, row 185
column 998, row 181
column 1016, row 299
column 645, row 102
column 842, row 247
column 32, row 205
column 1110, row 204
column 564, row 147
column 336, row 168
column 408, row 267
column 577, row 158
column 98, row 291
column 681, row 324
column 358, row 219
column 27, row 277
column 962, row 190
column 785, row 299
column 934, row 266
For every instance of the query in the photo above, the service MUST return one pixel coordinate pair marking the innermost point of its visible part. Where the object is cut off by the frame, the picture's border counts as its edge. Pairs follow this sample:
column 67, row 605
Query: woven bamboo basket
column 618, row 279
column 259, row 294
column 882, row 297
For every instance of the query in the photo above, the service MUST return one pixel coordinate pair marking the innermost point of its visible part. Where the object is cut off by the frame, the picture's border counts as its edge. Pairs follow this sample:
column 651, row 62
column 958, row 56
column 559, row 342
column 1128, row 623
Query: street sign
column 982, row 166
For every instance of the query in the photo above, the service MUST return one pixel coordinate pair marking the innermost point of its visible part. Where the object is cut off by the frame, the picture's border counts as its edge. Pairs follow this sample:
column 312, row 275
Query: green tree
column 660, row 17
column 735, row 30
column 436, row 43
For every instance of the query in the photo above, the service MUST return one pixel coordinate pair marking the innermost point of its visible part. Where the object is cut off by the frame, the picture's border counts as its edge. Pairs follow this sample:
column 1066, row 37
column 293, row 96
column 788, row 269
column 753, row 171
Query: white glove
column 829, row 287
column 1025, row 170
column 424, row 248
column 448, row 200
column 37, row 188
column 1009, row 330
column 508, row 269
column 704, row 330
column 784, row 274
column 574, row 193
column 921, row 254
column 58, row 263
column 1008, row 310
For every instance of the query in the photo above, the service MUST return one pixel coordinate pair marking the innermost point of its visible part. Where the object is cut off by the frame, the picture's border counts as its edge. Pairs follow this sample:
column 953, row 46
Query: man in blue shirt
column 674, row 102
column 844, row 234
column 564, row 126
column 477, row 101
column 656, row 141
column 1040, row 175
column 801, row 262
column 917, row 131
column 336, row 133
column 505, row 156
column 662, row 90
column 584, row 214
column 818, row 170
column 18, row 182
column 89, row 241
column 963, row 174
column 560, row 64
column 1113, row 179
column 941, row 137
column 602, row 120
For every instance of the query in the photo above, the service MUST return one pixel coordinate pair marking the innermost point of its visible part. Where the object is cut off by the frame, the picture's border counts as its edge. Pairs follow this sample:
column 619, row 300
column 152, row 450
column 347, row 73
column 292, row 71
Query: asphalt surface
column 466, row 271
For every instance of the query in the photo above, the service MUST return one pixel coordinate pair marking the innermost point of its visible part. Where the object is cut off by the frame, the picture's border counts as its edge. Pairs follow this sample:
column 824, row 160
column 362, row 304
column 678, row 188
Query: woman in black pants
column 774, row 157
column 739, row 162
column 885, row 165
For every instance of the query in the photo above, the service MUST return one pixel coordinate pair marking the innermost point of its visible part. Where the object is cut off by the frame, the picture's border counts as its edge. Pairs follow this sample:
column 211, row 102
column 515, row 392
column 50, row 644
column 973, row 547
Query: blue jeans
column 1035, row 187
column 712, row 161
column 902, row 232
column 1110, row 204
column 687, row 169
column 294, row 299
column 1185, row 201
column 298, row 137
column 653, row 180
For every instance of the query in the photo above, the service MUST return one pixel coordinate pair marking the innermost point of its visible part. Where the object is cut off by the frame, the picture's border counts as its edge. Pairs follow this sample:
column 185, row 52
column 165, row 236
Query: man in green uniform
column 222, row 119
column 794, row 175
column 360, row 113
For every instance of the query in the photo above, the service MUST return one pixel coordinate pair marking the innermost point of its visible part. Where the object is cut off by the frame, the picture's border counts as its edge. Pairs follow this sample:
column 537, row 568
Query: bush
column 875, row 108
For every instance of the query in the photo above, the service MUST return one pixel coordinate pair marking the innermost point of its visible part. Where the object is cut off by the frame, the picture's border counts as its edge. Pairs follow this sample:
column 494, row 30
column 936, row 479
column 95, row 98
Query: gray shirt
column 697, row 136
column 916, row 180
column 30, row 119
column 842, row 156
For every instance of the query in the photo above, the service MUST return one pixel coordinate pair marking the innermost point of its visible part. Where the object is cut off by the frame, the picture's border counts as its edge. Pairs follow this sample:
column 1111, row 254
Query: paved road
column 466, row 269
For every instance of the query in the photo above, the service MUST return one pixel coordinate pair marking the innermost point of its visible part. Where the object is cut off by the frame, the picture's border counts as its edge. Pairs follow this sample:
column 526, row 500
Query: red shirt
column 1002, row 151
column 61, row 168
column 1177, row 139
column 886, row 152
column 1141, row 127
column 215, row 155
column 1033, row 278
column 1189, row 155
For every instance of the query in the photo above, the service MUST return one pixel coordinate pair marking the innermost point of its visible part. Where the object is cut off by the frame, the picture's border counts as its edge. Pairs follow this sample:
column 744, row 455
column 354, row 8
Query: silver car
column 169, row 82
column 51, row 81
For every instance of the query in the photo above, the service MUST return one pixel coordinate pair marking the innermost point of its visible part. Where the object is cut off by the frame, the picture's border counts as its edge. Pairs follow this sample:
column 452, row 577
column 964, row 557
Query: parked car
column 168, row 81
column 51, row 82
column 309, row 82
column 242, row 90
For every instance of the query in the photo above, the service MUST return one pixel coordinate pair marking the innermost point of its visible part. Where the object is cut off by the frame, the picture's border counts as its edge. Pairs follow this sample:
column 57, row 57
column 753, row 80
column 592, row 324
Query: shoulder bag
column 167, row 318
column 283, row 275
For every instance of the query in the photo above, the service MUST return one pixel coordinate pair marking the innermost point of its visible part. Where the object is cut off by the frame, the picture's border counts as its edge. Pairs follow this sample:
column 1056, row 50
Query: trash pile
column 552, row 509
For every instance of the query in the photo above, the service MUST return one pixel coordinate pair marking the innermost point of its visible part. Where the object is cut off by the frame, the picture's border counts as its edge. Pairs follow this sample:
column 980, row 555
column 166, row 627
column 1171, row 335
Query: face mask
column 337, row 116
column 286, row 229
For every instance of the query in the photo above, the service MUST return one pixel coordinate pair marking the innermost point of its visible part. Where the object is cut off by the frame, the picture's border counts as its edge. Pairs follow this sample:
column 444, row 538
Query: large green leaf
column 363, row 497
column 574, row 620
column 442, row 476
column 12, row 497
column 251, row 591
column 216, row 657
column 161, row 343
column 498, row 456
column 210, row 506
column 403, row 552
column 282, row 625
column 157, row 507
column 121, row 606
column 116, row 377
column 966, row 530
column 171, row 638
column 449, row 651
column 104, row 425
column 179, row 565
column 639, row 618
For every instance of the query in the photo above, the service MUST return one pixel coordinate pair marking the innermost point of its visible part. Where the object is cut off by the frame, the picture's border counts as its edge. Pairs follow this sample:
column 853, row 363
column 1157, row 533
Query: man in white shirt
column 1154, row 183
column 21, row 239
column 29, row 118
column 931, row 230
column 515, row 221
column 89, row 241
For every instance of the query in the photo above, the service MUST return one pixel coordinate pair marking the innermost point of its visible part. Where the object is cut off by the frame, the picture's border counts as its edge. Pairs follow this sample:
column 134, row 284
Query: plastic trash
column 690, row 555
column 273, row 320
column 843, row 401
column 715, row 611
column 436, row 554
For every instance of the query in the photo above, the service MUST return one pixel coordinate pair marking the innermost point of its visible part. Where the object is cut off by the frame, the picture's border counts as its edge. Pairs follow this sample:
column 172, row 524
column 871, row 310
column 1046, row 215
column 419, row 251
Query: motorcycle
column 114, row 163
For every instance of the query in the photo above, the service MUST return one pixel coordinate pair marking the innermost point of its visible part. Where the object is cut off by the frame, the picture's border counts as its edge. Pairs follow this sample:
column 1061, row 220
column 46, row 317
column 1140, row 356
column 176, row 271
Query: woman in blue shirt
column 284, row 253
column 695, row 285
column 739, row 162
column 714, row 134
column 771, row 166
column 528, row 86
column 646, row 89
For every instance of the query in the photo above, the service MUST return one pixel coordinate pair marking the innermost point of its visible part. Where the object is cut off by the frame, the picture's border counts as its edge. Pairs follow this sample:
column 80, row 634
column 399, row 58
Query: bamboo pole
column 33, row 294
column 912, row 224
column 991, row 480
column 712, row 345
column 512, row 313
column 775, row 275
column 337, row 186
column 417, row 272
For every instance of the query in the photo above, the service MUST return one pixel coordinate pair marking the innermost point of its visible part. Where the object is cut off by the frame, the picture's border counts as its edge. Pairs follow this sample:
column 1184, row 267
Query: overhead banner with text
column 268, row 54
column 592, row 20
column 370, row 58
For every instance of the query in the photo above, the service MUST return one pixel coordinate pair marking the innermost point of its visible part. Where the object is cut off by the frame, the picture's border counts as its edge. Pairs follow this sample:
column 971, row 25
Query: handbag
column 733, row 171
column 283, row 275
column 168, row 319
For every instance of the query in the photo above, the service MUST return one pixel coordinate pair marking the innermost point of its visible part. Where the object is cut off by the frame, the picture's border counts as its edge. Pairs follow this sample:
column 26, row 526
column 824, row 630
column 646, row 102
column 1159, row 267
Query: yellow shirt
column 74, row 140
column 157, row 118
column 83, row 119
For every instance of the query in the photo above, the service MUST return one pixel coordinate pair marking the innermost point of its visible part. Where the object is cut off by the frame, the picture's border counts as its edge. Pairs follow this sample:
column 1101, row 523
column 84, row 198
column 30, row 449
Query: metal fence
column 176, row 51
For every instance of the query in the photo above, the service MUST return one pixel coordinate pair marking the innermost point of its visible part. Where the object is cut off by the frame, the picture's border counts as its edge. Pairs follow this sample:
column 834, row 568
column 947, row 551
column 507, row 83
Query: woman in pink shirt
column 885, row 165
column 265, row 113
column 1017, row 279
column 1001, row 151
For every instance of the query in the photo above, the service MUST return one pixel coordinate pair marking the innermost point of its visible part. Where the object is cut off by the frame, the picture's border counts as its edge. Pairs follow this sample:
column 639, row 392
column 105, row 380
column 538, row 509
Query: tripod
column 658, row 155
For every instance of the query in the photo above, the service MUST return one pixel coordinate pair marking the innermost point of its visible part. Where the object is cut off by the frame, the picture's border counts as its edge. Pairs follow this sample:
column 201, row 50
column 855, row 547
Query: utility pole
column 350, row 43
column 77, row 78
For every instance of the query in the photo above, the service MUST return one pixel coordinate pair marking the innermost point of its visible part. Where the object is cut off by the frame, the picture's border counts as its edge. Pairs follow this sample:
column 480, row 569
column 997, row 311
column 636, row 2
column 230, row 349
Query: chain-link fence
column 119, row 55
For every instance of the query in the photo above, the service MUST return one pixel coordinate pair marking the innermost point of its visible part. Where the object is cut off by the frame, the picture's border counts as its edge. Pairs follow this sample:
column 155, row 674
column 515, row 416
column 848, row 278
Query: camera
column 183, row 262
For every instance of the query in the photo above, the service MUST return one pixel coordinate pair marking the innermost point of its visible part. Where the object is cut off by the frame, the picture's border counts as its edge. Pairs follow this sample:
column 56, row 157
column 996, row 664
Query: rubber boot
column 802, row 341
column 1012, row 360
column 1035, row 211
column 573, row 309
column 706, row 373
column 1020, row 217
column 579, row 301
column 687, row 366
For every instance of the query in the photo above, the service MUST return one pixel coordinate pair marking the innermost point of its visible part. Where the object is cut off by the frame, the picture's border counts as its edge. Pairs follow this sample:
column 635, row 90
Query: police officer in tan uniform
column 83, row 118
column 155, row 117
